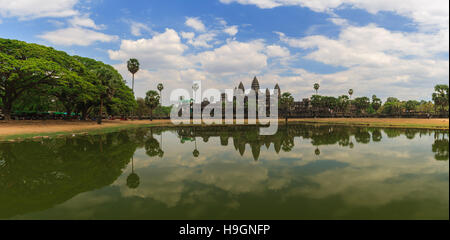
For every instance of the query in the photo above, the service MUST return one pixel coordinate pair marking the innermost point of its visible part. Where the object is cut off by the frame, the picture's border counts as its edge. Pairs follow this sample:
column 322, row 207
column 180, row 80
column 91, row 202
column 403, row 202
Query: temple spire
column 241, row 86
column 255, row 84
column 277, row 88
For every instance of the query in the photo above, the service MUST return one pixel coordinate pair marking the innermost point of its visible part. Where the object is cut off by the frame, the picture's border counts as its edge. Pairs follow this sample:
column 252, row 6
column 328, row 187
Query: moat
column 302, row 172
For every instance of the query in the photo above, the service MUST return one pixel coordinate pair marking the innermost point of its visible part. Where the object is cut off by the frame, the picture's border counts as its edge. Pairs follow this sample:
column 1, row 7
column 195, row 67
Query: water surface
column 302, row 172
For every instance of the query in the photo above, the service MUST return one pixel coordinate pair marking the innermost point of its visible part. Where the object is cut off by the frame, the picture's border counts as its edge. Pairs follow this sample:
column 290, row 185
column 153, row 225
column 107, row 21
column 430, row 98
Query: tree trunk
column 6, row 109
column 100, row 118
column 132, row 88
column 83, row 114
column 151, row 115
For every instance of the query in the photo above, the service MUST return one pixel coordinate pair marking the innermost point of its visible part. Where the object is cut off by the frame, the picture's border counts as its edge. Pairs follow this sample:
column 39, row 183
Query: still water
column 302, row 172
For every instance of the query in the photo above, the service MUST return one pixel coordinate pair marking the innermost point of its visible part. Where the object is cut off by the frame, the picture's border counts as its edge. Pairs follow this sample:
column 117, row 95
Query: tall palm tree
column 350, row 92
column 133, row 68
column 316, row 87
column 152, row 101
column 160, row 88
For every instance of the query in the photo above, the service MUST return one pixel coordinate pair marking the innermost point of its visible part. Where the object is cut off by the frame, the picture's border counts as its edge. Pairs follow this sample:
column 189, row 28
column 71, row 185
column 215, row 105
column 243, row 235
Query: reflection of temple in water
column 318, row 135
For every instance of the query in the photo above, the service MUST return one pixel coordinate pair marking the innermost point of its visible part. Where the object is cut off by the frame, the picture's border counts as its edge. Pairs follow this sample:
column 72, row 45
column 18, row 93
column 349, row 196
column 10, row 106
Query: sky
column 383, row 47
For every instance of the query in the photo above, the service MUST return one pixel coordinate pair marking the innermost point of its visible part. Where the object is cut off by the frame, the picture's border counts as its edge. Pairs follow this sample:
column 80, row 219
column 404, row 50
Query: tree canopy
column 79, row 84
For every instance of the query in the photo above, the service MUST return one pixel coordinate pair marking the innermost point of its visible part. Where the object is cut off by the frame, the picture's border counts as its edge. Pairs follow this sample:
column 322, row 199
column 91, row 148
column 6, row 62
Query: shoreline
column 17, row 130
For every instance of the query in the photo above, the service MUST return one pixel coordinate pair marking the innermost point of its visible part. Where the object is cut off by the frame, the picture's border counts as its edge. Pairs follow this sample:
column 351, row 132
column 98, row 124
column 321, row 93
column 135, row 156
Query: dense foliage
column 39, row 78
column 364, row 106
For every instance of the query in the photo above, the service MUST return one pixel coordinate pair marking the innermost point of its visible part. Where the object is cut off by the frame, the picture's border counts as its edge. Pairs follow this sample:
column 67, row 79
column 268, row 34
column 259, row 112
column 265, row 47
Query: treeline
column 365, row 106
column 39, row 78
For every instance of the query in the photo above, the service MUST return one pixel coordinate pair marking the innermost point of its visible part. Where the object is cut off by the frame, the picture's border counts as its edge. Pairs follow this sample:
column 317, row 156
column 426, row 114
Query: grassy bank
column 440, row 124
column 45, row 129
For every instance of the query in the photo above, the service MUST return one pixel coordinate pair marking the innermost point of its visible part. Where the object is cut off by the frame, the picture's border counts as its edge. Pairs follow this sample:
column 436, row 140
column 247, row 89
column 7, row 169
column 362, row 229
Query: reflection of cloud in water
column 364, row 181
column 347, row 175
column 234, row 178
column 368, row 180
column 167, row 184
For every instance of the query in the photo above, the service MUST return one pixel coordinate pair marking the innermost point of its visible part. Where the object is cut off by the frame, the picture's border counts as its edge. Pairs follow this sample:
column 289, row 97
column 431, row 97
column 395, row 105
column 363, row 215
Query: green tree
column 78, row 86
column 392, row 100
column 133, row 68
column 109, row 80
column 142, row 108
column 350, row 93
column 342, row 103
column 425, row 107
column 160, row 88
column 362, row 103
column 411, row 105
column 111, row 91
column 286, row 102
column 122, row 101
column 26, row 66
column 152, row 101
column 329, row 102
column 316, row 101
column 316, row 87
column 376, row 102
column 440, row 97
column 393, row 106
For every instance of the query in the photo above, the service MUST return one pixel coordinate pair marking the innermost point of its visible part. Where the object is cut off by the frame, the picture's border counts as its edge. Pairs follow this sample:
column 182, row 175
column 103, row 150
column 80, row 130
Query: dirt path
column 50, row 126
column 17, row 128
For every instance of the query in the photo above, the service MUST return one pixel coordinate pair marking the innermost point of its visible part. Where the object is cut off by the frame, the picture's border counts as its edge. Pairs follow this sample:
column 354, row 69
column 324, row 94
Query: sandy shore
column 50, row 126
column 30, row 128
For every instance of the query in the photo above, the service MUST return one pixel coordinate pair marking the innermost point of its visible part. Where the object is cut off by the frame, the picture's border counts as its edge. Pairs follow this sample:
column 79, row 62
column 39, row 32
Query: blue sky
column 387, row 48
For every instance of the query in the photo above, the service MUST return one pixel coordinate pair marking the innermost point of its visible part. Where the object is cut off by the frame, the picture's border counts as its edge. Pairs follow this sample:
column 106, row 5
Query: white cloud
column 234, row 58
column 202, row 40
column 427, row 13
column 232, row 30
column 375, row 61
column 187, row 35
column 165, row 59
column 76, row 36
column 137, row 28
column 277, row 51
column 31, row 9
column 339, row 21
column 196, row 24
column 164, row 50
column 85, row 21
column 370, row 45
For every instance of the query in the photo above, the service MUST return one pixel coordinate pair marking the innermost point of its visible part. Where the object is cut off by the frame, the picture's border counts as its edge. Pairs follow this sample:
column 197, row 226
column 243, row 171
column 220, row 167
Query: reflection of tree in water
column 283, row 140
column 410, row 133
column 317, row 151
column 440, row 147
column 195, row 153
column 362, row 135
column 376, row 135
column 152, row 146
column 133, row 179
column 38, row 175
column 394, row 132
